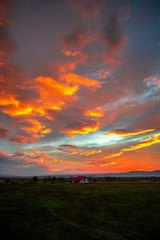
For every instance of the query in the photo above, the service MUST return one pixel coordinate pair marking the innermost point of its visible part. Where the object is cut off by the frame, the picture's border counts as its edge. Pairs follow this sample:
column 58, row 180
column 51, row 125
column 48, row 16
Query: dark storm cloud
column 7, row 44
column 3, row 132
column 6, row 4
column 114, row 36
column 67, row 146
column 19, row 166
column 20, row 162
column 89, row 8
column 112, row 31
column 4, row 158
column 21, row 140
column 75, row 38
column 9, row 73
column 19, row 153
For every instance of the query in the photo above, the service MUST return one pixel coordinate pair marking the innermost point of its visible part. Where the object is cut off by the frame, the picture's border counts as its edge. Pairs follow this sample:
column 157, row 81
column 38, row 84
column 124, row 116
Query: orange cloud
column 71, row 53
column 87, row 153
column 144, row 143
column 71, row 132
column 52, row 96
column 33, row 152
column 73, row 149
column 18, row 110
column 7, row 99
column 114, row 155
column 51, row 87
column 69, row 162
column 122, row 132
column 106, row 164
column 35, row 128
column 92, row 113
column 80, row 80
column 69, row 152
column 22, row 140
column 102, row 73
column 42, row 157
column 13, row 107
column 79, row 58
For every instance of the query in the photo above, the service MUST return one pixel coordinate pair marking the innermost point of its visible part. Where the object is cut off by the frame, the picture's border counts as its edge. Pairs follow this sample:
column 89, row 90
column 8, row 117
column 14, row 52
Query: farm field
column 80, row 211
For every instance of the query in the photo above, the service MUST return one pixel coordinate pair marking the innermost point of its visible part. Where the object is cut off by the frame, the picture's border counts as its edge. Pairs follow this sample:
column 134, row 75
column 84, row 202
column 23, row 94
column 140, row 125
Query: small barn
column 80, row 179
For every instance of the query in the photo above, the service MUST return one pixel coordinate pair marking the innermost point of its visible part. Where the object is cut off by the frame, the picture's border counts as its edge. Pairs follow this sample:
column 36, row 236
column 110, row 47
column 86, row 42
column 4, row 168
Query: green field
column 80, row 212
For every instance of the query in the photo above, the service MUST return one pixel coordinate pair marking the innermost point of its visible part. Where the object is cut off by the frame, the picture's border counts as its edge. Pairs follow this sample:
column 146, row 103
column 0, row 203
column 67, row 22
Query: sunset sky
column 79, row 86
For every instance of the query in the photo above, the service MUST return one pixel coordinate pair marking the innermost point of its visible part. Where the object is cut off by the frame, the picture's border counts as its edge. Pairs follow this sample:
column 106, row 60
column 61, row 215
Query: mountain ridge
column 155, row 173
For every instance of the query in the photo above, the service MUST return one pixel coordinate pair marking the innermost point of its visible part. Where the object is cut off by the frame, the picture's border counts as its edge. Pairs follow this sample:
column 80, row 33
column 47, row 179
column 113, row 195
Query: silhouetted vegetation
column 35, row 179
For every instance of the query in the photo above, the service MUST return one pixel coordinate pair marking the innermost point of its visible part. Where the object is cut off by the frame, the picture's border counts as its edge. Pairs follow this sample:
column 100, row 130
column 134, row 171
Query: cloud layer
column 79, row 88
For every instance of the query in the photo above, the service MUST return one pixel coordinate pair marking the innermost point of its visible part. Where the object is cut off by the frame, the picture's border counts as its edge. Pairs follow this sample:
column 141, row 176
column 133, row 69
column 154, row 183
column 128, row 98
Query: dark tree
column 35, row 179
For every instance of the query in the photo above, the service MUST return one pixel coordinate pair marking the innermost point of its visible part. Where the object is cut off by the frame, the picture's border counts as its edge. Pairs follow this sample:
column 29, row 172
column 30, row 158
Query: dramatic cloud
column 76, row 39
column 114, row 36
column 144, row 143
column 126, row 132
column 79, row 85
column 21, row 140
column 82, row 127
column 21, row 159
column 94, row 113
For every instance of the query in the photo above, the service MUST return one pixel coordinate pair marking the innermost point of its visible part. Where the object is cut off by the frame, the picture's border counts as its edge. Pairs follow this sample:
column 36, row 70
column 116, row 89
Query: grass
column 77, row 211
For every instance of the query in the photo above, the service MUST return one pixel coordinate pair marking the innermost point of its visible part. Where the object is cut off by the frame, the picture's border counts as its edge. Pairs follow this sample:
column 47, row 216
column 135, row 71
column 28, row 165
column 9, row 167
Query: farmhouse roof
column 78, row 178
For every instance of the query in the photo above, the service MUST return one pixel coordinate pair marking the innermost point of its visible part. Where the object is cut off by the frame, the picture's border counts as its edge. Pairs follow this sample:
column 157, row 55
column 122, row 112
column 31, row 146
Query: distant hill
column 155, row 173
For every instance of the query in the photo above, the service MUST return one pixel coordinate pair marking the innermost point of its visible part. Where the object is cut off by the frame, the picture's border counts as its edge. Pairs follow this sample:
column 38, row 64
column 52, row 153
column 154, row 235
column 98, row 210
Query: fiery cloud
column 49, row 87
column 21, row 159
column 80, row 80
column 70, row 162
column 125, row 132
column 90, row 152
column 144, row 143
column 7, row 99
column 82, row 128
column 97, row 113
column 71, row 53
column 35, row 128
column 73, row 149
column 106, row 164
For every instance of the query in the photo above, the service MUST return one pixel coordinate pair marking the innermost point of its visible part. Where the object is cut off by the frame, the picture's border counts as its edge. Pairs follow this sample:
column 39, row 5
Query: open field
column 77, row 211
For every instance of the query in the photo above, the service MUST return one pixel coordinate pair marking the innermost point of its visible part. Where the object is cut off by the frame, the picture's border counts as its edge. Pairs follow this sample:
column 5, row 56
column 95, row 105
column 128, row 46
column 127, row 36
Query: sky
column 79, row 86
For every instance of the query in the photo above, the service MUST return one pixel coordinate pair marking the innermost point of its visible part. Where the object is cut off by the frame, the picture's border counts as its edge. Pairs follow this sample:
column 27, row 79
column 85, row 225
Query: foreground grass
column 75, row 211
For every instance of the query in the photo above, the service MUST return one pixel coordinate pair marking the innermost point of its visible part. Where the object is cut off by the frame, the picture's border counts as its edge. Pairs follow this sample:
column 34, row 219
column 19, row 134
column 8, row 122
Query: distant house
column 80, row 179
